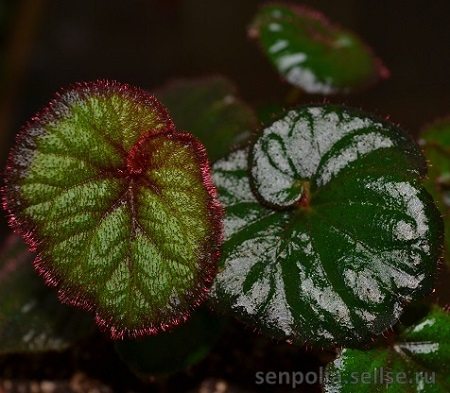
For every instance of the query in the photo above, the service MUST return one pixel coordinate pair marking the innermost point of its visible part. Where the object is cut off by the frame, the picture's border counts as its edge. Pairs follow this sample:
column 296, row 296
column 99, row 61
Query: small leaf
column 119, row 206
column 31, row 317
column 209, row 109
column 313, row 54
column 172, row 351
column 435, row 140
column 340, row 235
column 417, row 361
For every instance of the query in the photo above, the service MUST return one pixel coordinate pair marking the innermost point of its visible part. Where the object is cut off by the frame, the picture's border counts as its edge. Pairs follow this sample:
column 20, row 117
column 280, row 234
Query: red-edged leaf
column 119, row 205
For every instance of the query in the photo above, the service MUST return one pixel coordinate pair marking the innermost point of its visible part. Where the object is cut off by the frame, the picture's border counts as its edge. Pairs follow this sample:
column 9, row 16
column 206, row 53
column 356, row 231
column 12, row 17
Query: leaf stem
column 305, row 197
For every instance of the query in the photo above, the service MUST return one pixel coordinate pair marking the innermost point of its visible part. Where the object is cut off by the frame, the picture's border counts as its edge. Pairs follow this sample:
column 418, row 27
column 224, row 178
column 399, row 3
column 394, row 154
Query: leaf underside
column 311, row 53
column 328, row 230
column 119, row 206
column 417, row 361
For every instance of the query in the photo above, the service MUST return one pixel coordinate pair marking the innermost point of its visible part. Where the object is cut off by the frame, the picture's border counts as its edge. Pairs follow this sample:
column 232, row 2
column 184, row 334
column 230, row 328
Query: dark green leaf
column 418, row 360
column 341, row 235
column 313, row 54
column 174, row 350
column 435, row 140
column 119, row 205
column 31, row 317
column 209, row 109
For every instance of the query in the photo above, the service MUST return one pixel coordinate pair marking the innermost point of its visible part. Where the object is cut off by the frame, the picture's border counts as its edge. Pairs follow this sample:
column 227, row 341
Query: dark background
column 47, row 44
column 50, row 43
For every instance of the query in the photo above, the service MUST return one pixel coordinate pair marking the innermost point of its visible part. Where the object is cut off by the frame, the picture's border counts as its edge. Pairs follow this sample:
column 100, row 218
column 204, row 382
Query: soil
column 93, row 366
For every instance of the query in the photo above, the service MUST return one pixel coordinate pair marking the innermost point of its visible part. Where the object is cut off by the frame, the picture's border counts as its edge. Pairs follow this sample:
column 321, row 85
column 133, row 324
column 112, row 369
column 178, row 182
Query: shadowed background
column 47, row 44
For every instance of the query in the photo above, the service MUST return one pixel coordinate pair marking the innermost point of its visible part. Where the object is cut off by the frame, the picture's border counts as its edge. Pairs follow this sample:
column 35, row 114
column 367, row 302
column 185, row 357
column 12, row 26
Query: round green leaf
column 31, row 317
column 174, row 350
column 435, row 140
column 313, row 54
column 418, row 360
column 119, row 206
column 340, row 234
column 209, row 109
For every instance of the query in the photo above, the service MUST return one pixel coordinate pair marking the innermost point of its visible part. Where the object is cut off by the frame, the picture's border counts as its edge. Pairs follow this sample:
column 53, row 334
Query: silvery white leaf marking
column 382, row 272
column 253, row 300
column 301, row 147
column 235, row 189
column 317, row 291
column 307, row 80
column 372, row 275
column 391, row 274
column 417, row 348
column 360, row 146
column 232, row 189
column 271, row 167
column 275, row 27
column 404, row 231
column 236, row 160
column 238, row 264
column 28, row 306
column 328, row 129
column 428, row 322
column 234, row 223
column 385, row 267
column 278, row 310
column 367, row 316
column 301, row 241
column 408, row 196
column 237, row 267
column 423, row 381
column 364, row 285
column 333, row 382
column 291, row 149
column 340, row 363
column 289, row 60
column 275, row 169
column 300, row 246
column 279, row 46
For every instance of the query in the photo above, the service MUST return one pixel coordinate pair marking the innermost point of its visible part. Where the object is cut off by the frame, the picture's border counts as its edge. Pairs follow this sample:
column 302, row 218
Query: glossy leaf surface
column 340, row 234
column 435, row 140
column 313, row 54
column 209, row 109
column 417, row 361
column 174, row 350
column 31, row 317
column 119, row 206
